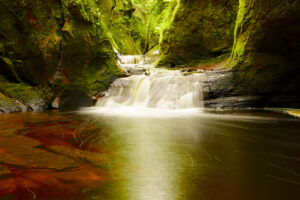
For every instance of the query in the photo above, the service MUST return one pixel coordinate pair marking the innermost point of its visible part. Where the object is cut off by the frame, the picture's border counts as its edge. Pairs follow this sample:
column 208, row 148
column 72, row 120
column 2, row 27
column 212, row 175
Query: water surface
column 184, row 155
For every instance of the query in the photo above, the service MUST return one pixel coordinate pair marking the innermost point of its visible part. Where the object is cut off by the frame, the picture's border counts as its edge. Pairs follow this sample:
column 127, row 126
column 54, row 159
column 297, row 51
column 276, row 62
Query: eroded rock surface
column 198, row 30
column 48, row 47
column 265, row 56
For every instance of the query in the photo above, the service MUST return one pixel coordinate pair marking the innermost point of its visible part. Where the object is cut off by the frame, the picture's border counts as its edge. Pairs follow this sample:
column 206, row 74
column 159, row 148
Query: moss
column 170, row 60
column 54, row 46
column 6, row 105
column 125, row 25
column 31, row 36
column 210, row 62
column 36, row 98
column 197, row 30
column 135, row 25
column 264, row 55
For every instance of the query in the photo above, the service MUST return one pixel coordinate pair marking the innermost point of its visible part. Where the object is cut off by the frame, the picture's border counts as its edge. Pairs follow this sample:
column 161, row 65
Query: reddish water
column 80, row 156
column 44, row 156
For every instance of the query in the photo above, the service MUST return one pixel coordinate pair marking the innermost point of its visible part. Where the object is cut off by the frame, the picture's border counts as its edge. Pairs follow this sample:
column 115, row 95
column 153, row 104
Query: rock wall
column 198, row 30
column 52, row 48
column 159, row 18
column 265, row 56
column 134, row 25
column 126, row 24
column 63, row 49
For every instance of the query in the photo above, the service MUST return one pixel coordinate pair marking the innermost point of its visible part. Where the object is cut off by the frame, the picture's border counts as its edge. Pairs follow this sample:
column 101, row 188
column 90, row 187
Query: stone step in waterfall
column 159, row 88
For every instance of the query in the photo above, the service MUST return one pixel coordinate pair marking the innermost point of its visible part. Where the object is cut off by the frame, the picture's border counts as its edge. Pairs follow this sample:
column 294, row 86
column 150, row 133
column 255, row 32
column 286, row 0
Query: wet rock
column 7, row 105
column 98, row 96
column 124, row 74
column 55, row 103
column 233, row 102
column 72, row 99
column 27, row 98
column 22, row 97
column 219, row 91
column 200, row 71
column 219, row 83
column 135, row 70
column 147, row 72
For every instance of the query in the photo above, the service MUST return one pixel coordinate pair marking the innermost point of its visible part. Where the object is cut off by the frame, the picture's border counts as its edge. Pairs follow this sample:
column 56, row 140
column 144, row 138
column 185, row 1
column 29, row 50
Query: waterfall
column 152, row 88
column 130, row 59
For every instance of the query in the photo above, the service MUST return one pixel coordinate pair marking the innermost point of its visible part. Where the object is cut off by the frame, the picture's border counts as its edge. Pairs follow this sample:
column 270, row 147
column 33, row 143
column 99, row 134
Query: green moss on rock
column 198, row 30
column 7, row 105
column 266, row 47
column 135, row 25
column 124, row 21
column 33, row 98
column 59, row 45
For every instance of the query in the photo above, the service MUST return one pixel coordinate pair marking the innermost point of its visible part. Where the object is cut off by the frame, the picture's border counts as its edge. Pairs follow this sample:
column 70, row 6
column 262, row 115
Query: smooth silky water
column 150, row 139
column 156, row 90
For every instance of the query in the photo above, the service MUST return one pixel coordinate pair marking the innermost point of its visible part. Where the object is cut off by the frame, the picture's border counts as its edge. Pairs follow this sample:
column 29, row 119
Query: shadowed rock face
column 266, row 49
column 51, row 46
column 198, row 30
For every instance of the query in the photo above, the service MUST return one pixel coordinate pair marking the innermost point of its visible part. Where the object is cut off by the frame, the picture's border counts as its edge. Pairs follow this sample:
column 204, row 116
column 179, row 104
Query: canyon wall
column 265, row 56
column 53, row 48
column 198, row 30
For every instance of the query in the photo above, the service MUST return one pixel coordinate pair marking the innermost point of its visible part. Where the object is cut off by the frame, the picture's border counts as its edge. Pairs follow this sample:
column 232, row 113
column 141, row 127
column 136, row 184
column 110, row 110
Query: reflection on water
column 89, row 155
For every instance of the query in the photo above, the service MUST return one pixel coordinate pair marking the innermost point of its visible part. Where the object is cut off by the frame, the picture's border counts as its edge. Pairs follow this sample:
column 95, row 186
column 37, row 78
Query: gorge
column 54, row 50
column 149, row 99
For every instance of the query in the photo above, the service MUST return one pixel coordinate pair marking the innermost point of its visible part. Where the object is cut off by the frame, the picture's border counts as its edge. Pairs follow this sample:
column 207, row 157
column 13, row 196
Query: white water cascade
column 152, row 88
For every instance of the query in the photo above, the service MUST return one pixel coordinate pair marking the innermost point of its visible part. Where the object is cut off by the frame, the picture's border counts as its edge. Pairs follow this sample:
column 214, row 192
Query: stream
column 149, row 138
